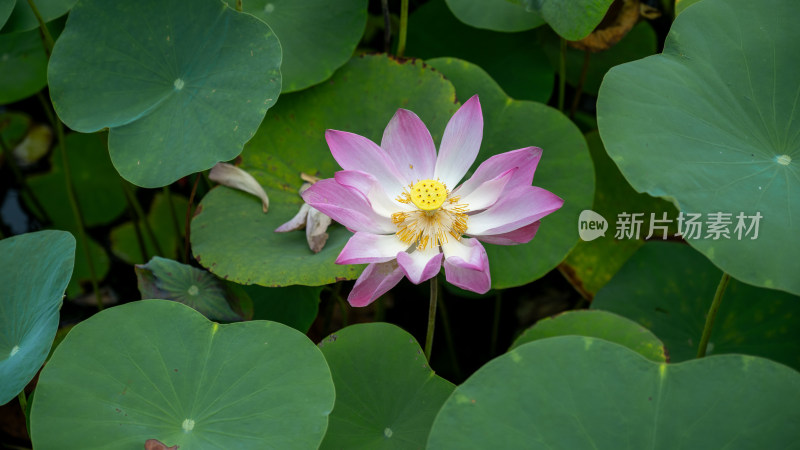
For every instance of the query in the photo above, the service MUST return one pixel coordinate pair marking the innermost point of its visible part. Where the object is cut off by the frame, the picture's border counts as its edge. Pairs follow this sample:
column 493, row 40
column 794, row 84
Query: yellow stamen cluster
column 438, row 217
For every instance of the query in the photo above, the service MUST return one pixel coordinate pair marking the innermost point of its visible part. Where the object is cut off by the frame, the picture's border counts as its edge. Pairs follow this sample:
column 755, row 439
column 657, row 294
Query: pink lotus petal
column 525, row 159
column 346, row 206
column 410, row 145
column 488, row 192
column 519, row 236
column 516, row 209
column 369, row 248
column 420, row 265
column 354, row 152
column 460, row 143
column 463, row 274
column 375, row 281
column 469, row 253
column 368, row 186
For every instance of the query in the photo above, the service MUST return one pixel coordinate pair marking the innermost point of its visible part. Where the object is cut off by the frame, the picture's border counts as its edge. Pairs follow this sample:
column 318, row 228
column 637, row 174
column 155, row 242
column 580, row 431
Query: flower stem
column 431, row 317
column 189, row 218
column 401, row 40
column 581, row 82
column 175, row 223
column 562, row 74
column 47, row 38
column 76, row 211
column 712, row 314
column 137, row 207
column 387, row 26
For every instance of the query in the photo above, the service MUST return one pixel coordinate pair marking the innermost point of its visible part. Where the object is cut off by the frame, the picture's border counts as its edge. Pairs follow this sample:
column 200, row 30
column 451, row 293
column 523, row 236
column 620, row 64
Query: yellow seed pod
column 428, row 195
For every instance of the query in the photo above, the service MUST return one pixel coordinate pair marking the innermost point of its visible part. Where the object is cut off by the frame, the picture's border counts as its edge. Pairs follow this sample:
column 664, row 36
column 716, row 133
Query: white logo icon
column 591, row 225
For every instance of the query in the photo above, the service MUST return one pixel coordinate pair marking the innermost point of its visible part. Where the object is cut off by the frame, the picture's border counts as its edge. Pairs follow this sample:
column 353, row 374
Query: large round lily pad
column 234, row 239
column 497, row 15
column 597, row 324
column 386, row 395
column 565, row 169
column 23, row 19
column 317, row 36
column 178, row 95
column 23, row 64
column 577, row 393
column 521, row 68
column 571, row 19
column 711, row 123
column 673, row 298
column 34, row 271
column 156, row 369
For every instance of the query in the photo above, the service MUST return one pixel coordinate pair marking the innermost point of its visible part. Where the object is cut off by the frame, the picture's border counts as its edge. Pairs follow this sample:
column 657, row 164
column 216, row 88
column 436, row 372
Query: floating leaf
column 522, row 69
column 497, row 15
column 597, row 324
column 591, row 265
column 23, row 64
column 234, row 239
column 97, row 186
column 386, row 395
column 23, row 19
column 125, row 244
column 565, row 169
column 577, row 393
column 317, row 36
column 571, row 19
column 711, row 124
column 157, row 369
column 178, row 96
column 34, row 271
column 296, row 306
column 640, row 42
column 170, row 280
column 5, row 11
column 673, row 300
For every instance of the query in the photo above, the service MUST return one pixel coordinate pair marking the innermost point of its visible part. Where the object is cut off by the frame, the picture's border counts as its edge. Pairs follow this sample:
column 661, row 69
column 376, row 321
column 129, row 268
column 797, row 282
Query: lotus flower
column 410, row 219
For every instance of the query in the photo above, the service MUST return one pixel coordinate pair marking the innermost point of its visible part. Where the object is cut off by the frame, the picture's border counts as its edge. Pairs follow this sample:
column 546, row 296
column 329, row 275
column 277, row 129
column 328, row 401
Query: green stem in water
column 175, row 223
column 562, row 74
column 137, row 207
column 431, row 317
column 712, row 314
column 76, row 211
column 47, row 38
column 186, row 236
column 401, row 40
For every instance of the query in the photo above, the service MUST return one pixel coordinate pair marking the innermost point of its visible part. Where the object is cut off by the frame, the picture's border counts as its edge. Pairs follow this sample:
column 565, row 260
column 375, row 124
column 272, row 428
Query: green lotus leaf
column 590, row 265
column 177, row 95
column 597, row 324
column 574, row 392
column 36, row 268
column 521, row 69
column 296, row 306
column 672, row 300
column 571, row 19
column 23, row 19
column 497, row 15
column 157, row 369
column 170, row 280
column 97, row 187
column 640, row 42
column 565, row 169
column 386, row 395
column 23, row 64
column 317, row 36
column 5, row 11
column 710, row 123
column 234, row 239
column 125, row 243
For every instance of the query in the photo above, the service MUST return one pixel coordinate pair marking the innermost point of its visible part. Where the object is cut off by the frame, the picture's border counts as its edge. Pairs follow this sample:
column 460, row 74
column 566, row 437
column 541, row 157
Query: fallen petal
column 234, row 177
column 316, row 229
